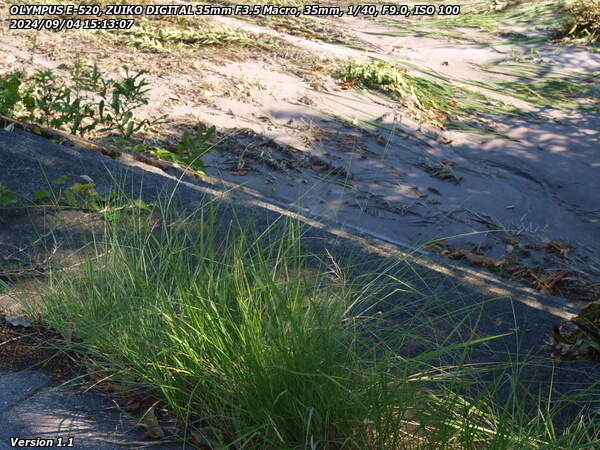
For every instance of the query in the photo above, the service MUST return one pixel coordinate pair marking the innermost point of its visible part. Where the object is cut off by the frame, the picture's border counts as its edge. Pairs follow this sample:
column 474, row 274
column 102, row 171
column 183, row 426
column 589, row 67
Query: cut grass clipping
column 424, row 99
column 161, row 38
column 433, row 100
column 491, row 17
column 583, row 21
column 243, row 334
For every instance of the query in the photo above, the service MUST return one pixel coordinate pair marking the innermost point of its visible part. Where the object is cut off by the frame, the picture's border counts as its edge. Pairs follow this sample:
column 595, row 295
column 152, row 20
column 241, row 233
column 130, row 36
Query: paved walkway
column 35, row 407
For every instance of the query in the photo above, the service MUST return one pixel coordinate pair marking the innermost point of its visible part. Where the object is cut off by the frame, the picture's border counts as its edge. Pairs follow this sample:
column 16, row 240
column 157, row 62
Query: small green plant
column 188, row 152
column 82, row 196
column 82, row 102
column 7, row 198
column 127, row 95
column 9, row 92
column 112, row 205
column 193, row 145
column 49, row 101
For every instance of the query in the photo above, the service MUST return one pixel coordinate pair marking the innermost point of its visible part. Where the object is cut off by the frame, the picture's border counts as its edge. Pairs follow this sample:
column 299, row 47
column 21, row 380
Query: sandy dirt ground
column 520, row 195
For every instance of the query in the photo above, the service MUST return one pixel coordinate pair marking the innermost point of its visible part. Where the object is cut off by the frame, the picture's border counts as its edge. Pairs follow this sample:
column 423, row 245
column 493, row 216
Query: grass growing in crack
column 244, row 334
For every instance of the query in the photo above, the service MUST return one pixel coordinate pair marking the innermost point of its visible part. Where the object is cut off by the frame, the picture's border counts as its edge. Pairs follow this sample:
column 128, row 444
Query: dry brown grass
column 583, row 21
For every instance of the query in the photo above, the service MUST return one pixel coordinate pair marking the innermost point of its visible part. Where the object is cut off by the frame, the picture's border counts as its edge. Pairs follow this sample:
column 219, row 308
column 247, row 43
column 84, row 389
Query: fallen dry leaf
column 560, row 248
column 473, row 258
column 547, row 283
column 483, row 261
column 133, row 406
column 380, row 140
column 579, row 338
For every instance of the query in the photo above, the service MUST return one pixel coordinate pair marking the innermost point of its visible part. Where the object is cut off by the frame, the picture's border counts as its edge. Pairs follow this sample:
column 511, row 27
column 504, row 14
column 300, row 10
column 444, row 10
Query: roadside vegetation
column 577, row 21
column 251, row 342
column 89, row 103
column 65, row 193
column 168, row 34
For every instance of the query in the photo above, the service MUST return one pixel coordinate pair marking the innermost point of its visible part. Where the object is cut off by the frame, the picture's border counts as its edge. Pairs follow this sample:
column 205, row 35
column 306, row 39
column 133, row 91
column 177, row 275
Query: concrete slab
column 17, row 387
column 90, row 419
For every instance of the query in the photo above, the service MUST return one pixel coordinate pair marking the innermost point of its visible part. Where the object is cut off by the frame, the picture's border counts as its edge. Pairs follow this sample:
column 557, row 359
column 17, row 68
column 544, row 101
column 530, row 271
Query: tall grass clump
column 243, row 333
column 583, row 21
